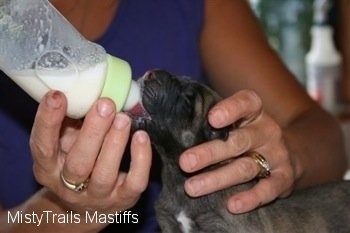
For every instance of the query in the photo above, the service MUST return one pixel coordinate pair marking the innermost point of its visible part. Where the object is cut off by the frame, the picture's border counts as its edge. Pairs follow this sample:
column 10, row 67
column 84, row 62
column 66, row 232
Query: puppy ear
column 212, row 133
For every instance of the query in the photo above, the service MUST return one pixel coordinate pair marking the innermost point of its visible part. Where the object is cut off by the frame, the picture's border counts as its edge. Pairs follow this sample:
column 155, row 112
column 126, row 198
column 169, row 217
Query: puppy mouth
column 139, row 113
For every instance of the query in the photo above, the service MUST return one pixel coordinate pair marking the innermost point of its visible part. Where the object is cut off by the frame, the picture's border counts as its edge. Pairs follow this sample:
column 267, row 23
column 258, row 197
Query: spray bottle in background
column 323, row 61
column 40, row 50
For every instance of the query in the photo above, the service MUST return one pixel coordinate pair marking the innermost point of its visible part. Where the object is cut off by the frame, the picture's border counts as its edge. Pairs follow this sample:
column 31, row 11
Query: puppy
column 176, row 118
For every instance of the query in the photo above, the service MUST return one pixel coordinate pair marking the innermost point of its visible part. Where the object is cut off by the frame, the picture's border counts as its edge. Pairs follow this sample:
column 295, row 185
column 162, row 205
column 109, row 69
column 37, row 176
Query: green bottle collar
column 118, row 81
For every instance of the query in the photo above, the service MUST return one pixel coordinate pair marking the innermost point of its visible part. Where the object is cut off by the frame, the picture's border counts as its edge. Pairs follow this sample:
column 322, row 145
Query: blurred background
column 288, row 23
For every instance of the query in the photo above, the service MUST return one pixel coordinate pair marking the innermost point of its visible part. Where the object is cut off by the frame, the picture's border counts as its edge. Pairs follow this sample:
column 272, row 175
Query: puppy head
column 177, row 110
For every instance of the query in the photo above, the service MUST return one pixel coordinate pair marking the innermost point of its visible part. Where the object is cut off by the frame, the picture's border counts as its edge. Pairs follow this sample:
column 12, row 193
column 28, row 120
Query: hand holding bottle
column 91, row 151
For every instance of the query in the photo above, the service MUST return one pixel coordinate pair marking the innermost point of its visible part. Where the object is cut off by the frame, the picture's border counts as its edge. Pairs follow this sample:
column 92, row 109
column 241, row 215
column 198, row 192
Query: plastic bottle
column 40, row 50
column 323, row 61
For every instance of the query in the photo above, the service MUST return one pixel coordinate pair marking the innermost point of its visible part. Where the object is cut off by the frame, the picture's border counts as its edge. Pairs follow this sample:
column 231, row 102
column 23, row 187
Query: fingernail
column 192, row 161
column 141, row 137
column 236, row 207
column 104, row 109
column 121, row 121
column 194, row 186
column 217, row 117
column 53, row 100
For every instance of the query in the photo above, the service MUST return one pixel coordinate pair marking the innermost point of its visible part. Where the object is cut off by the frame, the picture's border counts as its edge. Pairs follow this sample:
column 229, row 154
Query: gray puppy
column 176, row 119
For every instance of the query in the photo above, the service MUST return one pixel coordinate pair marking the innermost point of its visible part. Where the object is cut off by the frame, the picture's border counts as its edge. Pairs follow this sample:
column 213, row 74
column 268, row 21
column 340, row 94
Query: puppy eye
column 212, row 133
column 221, row 134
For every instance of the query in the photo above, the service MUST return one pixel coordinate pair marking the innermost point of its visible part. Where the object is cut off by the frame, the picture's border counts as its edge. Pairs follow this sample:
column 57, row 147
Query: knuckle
column 251, row 97
column 209, row 157
column 272, row 130
column 246, row 169
column 215, row 181
column 102, row 179
column 99, row 183
column 239, row 141
column 40, row 149
column 80, row 171
column 284, row 159
column 254, row 97
column 276, row 130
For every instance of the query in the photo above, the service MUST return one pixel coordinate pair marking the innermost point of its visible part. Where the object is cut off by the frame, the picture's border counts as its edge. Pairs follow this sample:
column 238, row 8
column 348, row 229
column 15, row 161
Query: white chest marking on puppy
column 184, row 221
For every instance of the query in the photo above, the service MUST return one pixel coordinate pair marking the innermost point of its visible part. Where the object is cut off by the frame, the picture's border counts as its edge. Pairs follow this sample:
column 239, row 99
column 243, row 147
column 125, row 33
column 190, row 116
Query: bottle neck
column 322, row 39
column 322, row 45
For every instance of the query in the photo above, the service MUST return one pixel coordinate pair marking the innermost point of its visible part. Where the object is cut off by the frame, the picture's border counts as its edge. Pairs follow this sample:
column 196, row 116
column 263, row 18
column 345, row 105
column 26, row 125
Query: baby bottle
column 40, row 50
column 323, row 61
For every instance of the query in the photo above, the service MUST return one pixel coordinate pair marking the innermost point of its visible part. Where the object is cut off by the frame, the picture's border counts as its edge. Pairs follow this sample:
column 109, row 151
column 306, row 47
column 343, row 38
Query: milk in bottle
column 40, row 50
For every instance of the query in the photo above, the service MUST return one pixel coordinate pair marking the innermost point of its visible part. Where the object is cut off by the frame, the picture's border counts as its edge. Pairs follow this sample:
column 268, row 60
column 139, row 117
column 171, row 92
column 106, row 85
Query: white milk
column 81, row 89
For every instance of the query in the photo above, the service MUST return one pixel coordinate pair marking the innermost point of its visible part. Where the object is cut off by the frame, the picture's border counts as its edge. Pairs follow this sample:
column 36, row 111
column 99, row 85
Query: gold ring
column 262, row 163
column 74, row 187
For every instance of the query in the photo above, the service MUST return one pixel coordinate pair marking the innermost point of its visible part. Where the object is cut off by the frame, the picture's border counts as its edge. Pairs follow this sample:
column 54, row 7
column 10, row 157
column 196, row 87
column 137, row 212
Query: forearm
column 313, row 138
column 315, row 143
column 54, row 217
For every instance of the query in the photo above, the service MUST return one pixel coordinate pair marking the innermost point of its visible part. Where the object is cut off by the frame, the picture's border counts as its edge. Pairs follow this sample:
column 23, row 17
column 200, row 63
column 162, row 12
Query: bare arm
column 237, row 56
column 302, row 143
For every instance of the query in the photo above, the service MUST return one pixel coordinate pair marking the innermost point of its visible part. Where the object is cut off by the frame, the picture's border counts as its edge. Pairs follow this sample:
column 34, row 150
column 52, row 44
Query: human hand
column 256, row 132
column 92, row 150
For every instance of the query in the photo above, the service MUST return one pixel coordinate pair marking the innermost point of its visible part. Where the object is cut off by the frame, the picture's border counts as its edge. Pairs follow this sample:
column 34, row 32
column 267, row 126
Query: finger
column 265, row 191
column 69, row 131
column 46, row 130
column 239, row 141
column 238, row 171
column 137, row 178
column 244, row 105
column 104, row 175
column 81, row 159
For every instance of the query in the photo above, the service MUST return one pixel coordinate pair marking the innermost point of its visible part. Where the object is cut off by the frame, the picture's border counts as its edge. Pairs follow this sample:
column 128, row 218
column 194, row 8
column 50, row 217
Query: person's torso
column 148, row 35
